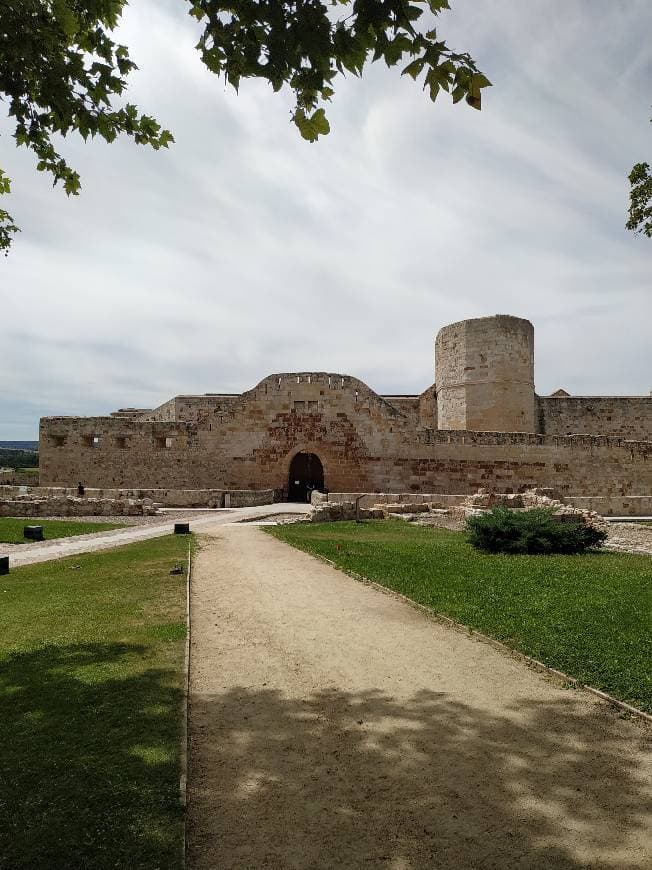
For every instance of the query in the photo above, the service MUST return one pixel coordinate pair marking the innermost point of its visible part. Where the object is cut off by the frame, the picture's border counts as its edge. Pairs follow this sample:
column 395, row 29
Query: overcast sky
column 245, row 251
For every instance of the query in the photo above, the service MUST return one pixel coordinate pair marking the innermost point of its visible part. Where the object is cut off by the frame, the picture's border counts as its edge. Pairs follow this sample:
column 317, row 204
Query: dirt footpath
column 333, row 726
column 148, row 527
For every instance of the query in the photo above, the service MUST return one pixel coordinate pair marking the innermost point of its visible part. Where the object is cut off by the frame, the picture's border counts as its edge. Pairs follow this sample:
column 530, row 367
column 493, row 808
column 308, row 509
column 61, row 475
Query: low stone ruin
column 330, row 512
column 428, row 513
column 484, row 500
column 70, row 506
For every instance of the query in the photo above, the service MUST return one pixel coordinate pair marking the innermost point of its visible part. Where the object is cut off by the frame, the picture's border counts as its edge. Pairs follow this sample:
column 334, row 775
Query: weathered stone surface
column 67, row 506
column 11, row 477
column 624, row 417
column 165, row 497
column 403, row 508
column 485, row 375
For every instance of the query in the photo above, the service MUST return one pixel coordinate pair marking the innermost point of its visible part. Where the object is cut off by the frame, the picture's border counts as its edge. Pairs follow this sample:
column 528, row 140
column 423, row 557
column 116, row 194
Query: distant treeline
column 18, row 458
column 19, row 445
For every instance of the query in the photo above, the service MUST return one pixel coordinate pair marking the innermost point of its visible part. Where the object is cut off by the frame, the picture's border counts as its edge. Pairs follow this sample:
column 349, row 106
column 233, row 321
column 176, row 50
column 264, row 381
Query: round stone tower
column 484, row 372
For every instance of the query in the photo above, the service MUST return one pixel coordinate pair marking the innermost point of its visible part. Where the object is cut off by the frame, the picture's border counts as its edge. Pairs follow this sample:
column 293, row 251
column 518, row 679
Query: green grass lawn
column 91, row 676
column 589, row 616
column 11, row 528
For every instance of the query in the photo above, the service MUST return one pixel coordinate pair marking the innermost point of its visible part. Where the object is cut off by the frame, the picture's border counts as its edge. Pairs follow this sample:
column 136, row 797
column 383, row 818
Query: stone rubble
column 628, row 537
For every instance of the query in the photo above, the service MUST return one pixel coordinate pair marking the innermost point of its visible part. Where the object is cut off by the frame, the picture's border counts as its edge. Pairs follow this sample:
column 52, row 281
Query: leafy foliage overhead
column 61, row 71
column 306, row 43
column 640, row 206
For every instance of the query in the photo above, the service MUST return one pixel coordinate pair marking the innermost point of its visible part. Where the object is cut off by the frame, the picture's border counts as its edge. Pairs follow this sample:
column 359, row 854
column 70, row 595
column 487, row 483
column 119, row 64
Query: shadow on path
column 341, row 780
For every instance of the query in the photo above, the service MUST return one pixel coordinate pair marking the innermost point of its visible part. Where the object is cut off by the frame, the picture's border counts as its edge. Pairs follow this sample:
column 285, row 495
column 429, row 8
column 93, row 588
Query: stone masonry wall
column 485, row 375
column 364, row 443
column 189, row 409
column 626, row 417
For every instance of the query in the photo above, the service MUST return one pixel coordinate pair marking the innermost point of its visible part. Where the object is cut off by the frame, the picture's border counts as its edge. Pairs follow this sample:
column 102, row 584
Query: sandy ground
column 333, row 726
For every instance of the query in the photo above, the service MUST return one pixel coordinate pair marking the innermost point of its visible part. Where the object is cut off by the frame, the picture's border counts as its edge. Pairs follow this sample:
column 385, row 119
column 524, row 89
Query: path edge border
column 185, row 715
column 535, row 664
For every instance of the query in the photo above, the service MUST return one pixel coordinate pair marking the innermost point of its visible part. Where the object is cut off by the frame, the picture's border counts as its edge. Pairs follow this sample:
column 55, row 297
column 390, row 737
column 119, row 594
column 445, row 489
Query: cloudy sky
column 245, row 251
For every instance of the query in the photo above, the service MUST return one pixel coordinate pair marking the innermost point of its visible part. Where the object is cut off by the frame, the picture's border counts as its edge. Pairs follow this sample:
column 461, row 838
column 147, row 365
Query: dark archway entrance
column 306, row 474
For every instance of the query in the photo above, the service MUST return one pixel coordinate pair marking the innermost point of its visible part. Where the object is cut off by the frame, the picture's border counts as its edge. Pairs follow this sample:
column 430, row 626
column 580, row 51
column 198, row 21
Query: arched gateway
column 306, row 474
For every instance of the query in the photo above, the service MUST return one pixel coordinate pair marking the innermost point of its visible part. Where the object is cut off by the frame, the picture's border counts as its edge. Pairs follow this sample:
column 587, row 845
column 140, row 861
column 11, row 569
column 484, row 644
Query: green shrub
column 502, row 530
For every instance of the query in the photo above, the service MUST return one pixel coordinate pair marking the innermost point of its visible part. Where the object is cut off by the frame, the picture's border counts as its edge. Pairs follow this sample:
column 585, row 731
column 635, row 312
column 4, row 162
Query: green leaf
column 479, row 80
column 5, row 183
column 312, row 127
column 458, row 93
column 414, row 68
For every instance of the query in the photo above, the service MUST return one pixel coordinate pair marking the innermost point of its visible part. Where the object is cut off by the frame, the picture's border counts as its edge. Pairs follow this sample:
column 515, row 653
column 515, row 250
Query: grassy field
column 11, row 528
column 91, row 655
column 589, row 616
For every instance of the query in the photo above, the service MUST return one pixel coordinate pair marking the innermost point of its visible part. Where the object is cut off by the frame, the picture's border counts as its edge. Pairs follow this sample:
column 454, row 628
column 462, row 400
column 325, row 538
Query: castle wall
column 625, row 417
column 364, row 443
column 473, row 428
column 485, row 375
column 165, row 412
column 409, row 406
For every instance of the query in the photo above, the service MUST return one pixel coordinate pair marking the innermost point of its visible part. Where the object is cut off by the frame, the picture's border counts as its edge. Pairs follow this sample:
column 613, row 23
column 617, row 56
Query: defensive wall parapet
column 624, row 416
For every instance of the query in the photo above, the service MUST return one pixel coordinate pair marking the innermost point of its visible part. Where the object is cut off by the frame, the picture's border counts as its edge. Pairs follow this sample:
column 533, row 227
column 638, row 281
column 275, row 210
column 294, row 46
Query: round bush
column 502, row 530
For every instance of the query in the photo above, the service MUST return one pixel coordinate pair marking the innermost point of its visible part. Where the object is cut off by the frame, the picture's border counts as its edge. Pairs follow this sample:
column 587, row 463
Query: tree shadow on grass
column 362, row 780
column 88, row 760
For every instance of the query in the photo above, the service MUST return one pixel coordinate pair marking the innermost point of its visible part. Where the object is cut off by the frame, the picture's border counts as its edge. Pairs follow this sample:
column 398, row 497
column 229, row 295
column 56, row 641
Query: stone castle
column 480, row 425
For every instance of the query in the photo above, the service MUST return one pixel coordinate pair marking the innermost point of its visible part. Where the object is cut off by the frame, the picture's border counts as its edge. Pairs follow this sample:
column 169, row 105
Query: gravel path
column 149, row 527
column 334, row 727
column 630, row 538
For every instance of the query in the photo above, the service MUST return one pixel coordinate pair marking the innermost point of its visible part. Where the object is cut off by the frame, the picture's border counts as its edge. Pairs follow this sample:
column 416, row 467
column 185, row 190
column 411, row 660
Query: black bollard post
column 33, row 533
column 182, row 528
column 4, row 565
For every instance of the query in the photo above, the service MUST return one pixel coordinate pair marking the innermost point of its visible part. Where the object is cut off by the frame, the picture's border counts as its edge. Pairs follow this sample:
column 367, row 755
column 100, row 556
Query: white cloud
column 244, row 250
